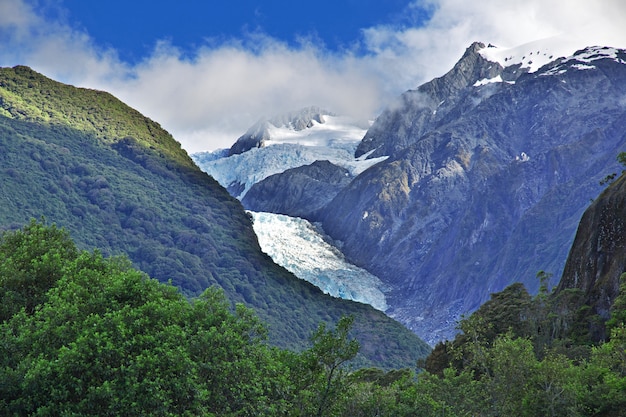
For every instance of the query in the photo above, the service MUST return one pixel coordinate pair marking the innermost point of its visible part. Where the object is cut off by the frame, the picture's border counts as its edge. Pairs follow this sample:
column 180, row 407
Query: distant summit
column 476, row 179
column 289, row 141
column 260, row 132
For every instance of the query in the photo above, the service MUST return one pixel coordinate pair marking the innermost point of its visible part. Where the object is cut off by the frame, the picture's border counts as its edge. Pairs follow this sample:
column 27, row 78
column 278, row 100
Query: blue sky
column 132, row 27
column 206, row 70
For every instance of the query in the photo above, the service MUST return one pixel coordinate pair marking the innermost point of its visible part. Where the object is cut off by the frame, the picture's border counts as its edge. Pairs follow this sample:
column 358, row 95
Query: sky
column 206, row 70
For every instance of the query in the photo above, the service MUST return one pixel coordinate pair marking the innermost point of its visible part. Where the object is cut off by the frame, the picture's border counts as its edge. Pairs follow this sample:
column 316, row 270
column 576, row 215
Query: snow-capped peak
column 284, row 147
column 334, row 129
column 594, row 53
column 533, row 55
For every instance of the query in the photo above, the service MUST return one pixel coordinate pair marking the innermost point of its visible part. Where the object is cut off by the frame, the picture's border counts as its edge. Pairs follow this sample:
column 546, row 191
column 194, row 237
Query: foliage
column 618, row 310
column 522, row 355
column 85, row 333
column 32, row 262
column 318, row 375
column 91, row 335
column 107, row 340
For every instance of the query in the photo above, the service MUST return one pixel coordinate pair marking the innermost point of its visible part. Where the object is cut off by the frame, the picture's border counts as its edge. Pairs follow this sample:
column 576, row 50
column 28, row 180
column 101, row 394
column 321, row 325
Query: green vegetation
column 523, row 355
column 104, row 339
column 81, row 334
column 85, row 332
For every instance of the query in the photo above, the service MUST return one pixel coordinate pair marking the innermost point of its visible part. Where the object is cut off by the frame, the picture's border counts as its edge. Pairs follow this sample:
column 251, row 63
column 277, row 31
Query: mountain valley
column 121, row 184
column 518, row 172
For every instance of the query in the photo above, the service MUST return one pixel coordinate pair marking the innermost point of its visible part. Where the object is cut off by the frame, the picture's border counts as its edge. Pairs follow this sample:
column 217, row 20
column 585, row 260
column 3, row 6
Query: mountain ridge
column 485, row 171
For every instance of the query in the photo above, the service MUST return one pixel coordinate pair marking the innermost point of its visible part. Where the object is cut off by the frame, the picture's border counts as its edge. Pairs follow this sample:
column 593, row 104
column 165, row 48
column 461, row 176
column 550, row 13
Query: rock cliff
column 598, row 255
column 298, row 192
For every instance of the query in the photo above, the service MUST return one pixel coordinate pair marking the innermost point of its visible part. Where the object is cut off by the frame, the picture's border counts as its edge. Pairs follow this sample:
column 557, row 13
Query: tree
column 107, row 340
column 31, row 261
column 513, row 363
column 318, row 373
column 618, row 309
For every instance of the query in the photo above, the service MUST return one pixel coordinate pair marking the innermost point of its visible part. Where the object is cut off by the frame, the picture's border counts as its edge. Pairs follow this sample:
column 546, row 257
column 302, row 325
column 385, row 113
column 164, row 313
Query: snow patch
column 534, row 55
column 485, row 81
column 583, row 67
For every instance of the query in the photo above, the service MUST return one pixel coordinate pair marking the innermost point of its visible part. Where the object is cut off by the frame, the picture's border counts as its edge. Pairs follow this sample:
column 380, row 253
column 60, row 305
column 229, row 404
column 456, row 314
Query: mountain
column 299, row 192
column 478, row 178
column 261, row 132
column 489, row 169
column 120, row 183
column 299, row 168
column 288, row 144
column 597, row 258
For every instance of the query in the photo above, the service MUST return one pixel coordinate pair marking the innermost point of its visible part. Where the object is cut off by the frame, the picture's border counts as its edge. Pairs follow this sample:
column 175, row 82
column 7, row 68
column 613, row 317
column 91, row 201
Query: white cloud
column 220, row 92
column 207, row 100
column 420, row 53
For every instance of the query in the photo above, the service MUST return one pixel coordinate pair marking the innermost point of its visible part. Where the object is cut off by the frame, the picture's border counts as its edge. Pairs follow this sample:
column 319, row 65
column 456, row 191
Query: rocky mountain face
column 419, row 111
column 598, row 255
column 490, row 169
column 299, row 192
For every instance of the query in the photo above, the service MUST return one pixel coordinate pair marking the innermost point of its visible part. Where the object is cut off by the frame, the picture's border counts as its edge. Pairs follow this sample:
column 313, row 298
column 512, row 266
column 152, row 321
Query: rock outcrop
column 298, row 192
column 597, row 258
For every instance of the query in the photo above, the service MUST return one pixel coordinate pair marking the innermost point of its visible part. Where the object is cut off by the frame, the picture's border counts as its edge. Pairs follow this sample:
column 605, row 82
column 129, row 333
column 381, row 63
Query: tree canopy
column 82, row 334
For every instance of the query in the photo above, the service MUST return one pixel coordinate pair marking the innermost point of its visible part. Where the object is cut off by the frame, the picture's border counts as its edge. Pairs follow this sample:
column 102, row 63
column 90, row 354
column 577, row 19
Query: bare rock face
column 429, row 106
column 598, row 256
column 298, row 192
column 485, row 184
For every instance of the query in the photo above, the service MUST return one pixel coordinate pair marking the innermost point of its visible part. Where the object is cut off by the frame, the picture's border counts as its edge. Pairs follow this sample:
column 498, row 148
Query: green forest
column 83, row 334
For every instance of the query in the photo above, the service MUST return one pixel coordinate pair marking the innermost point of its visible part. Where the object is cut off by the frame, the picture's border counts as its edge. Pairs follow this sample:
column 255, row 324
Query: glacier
column 294, row 243
column 299, row 247
column 335, row 140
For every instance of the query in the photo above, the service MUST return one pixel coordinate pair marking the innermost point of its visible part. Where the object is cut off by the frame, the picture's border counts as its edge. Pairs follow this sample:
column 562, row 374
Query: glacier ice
column 296, row 245
column 292, row 242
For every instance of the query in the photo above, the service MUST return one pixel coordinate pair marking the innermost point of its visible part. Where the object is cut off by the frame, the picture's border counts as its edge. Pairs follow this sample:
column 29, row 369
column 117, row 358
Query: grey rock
column 298, row 192
column 597, row 258
column 483, row 191
column 419, row 111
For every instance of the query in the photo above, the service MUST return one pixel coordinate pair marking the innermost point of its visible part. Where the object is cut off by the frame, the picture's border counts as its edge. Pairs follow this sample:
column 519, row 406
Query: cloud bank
column 208, row 98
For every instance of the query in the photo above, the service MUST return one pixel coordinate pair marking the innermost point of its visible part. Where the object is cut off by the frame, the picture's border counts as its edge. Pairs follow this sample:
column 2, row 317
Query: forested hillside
column 118, row 182
column 81, row 334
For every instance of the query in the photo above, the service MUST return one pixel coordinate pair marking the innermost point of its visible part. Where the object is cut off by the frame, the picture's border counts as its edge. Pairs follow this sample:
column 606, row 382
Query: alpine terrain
column 478, row 179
